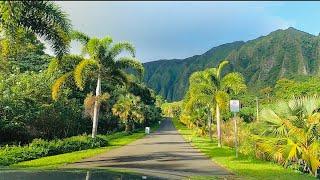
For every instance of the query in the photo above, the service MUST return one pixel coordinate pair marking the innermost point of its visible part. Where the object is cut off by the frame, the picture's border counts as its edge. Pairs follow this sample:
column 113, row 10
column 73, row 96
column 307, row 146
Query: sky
column 167, row 30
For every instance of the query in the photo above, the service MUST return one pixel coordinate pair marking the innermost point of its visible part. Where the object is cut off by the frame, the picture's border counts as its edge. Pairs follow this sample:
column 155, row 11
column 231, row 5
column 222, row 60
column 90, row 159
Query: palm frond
column 93, row 48
column 106, row 41
column 78, row 71
column 234, row 82
column 222, row 99
column 55, row 89
column 130, row 62
column 220, row 68
column 81, row 37
column 119, row 77
column 44, row 18
column 53, row 66
column 120, row 47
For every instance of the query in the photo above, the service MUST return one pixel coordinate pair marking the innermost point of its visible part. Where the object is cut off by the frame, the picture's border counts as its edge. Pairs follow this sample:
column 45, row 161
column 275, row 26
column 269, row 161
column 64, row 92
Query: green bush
column 41, row 148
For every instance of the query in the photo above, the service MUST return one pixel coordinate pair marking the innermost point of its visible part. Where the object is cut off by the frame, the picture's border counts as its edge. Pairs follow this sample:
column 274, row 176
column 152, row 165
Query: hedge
column 41, row 148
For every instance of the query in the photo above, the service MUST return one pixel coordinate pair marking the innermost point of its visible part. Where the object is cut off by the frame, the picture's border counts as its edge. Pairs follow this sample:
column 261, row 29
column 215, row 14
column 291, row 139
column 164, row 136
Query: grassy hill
column 262, row 61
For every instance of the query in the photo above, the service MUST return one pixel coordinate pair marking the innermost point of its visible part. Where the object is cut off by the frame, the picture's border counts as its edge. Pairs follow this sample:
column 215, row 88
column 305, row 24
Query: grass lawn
column 51, row 162
column 245, row 167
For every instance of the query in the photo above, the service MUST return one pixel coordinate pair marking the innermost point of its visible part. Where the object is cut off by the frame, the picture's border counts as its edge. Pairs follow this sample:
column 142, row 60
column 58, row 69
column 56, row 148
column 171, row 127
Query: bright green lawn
column 115, row 140
column 248, row 168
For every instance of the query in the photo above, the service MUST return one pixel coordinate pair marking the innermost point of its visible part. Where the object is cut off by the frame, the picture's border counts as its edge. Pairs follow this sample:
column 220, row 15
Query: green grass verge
column 243, row 166
column 52, row 162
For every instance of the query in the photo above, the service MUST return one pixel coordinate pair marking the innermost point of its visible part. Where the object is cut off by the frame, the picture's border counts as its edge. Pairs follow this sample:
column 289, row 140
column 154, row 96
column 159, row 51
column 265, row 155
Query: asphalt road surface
column 164, row 153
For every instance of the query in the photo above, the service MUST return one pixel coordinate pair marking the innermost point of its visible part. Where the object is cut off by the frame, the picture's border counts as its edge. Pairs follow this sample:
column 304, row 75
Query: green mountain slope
column 282, row 53
column 170, row 77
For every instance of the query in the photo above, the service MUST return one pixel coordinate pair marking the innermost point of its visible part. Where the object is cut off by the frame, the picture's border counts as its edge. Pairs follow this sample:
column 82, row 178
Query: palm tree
column 128, row 110
column 104, row 61
column 213, row 90
column 292, row 132
column 43, row 18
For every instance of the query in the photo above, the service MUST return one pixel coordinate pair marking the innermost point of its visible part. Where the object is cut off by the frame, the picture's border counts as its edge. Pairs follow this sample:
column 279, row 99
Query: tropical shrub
column 292, row 133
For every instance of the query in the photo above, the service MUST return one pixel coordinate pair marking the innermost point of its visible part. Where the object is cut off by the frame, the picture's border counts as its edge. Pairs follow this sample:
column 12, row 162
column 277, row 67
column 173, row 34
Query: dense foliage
column 52, row 97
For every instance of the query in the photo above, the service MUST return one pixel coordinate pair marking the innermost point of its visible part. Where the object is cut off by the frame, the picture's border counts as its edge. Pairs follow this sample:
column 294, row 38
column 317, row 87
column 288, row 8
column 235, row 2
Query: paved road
column 163, row 152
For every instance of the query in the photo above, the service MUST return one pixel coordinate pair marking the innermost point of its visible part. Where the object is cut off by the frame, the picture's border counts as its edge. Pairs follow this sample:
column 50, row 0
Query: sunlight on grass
column 244, row 166
column 115, row 140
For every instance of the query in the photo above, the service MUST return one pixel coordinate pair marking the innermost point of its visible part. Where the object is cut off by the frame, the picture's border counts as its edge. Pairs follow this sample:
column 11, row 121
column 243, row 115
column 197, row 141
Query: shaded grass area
column 243, row 166
column 51, row 162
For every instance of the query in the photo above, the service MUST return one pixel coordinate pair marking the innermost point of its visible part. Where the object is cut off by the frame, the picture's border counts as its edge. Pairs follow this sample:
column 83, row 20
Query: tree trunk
column 96, row 108
column 128, row 127
column 209, row 125
column 133, row 126
column 218, row 125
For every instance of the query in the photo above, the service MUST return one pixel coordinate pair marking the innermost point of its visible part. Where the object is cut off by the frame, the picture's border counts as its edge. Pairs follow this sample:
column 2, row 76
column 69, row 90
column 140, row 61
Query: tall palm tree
column 43, row 18
column 292, row 132
column 211, row 88
column 104, row 61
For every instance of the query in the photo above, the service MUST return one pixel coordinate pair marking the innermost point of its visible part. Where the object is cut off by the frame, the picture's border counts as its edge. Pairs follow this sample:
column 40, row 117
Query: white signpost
column 234, row 108
column 147, row 130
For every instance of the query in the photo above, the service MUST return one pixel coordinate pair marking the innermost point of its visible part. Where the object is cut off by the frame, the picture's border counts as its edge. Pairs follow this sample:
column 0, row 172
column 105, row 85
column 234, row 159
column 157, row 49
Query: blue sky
column 166, row 30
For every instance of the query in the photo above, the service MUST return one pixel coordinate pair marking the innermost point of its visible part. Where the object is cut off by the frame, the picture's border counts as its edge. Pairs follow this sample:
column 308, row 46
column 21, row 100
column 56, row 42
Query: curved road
column 164, row 153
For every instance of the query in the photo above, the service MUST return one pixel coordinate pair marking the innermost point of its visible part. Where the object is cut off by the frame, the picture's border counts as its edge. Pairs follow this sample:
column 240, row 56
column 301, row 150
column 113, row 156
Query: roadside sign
column 147, row 130
column 234, row 106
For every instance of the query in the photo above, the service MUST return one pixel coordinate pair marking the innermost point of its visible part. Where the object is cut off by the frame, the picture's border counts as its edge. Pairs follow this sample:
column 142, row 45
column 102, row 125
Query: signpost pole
column 235, row 133
column 257, row 106
column 234, row 108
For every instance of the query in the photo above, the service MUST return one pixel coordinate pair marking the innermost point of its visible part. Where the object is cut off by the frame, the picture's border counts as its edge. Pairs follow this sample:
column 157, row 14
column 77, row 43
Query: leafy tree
column 22, row 53
column 104, row 63
column 127, row 108
column 43, row 18
column 292, row 132
column 172, row 109
column 285, row 88
column 27, row 111
column 266, row 92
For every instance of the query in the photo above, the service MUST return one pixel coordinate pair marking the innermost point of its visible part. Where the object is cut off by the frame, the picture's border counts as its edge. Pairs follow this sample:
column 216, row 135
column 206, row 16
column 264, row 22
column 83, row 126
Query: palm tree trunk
column 96, row 108
column 218, row 125
column 209, row 125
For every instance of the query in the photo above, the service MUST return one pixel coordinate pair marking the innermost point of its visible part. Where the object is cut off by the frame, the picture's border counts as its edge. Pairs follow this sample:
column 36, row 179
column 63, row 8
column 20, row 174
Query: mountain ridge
column 281, row 53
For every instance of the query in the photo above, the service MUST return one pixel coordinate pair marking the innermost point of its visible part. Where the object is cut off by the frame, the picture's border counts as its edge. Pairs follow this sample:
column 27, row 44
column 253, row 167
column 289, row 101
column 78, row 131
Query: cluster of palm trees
column 209, row 92
column 100, row 58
